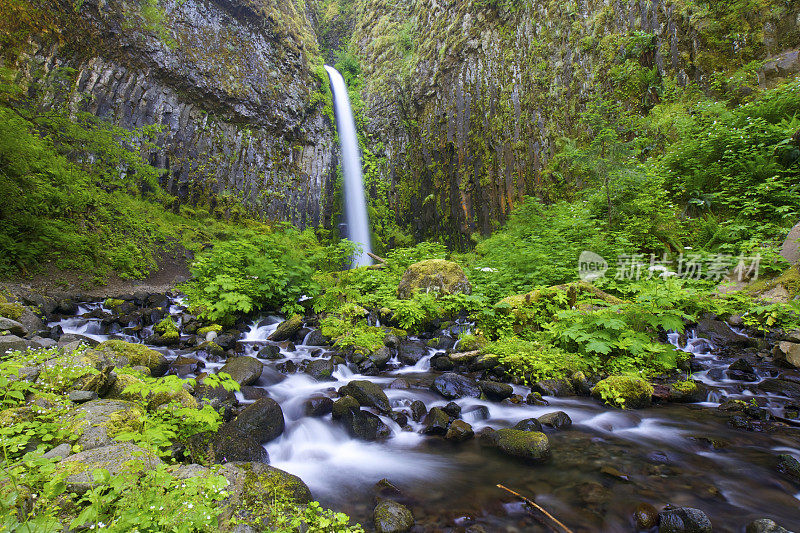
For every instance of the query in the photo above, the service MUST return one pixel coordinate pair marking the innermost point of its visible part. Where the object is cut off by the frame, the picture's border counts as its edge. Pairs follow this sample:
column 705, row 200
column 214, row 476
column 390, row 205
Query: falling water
column 354, row 197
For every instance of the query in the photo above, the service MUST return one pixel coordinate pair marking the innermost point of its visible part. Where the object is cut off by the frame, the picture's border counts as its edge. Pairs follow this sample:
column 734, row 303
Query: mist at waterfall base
column 355, row 203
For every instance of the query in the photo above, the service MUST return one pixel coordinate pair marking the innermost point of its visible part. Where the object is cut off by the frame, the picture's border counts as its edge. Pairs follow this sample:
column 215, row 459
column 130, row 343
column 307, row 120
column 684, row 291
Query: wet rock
column 721, row 334
column 368, row 394
column 411, row 351
column 459, row 431
column 320, row 369
column 453, row 386
column 535, row 398
column 610, row 471
column 687, row 392
column 433, row 275
column 580, row 384
column 254, row 393
column 97, row 422
column 527, row 445
column 452, row 409
column 262, row 420
column 368, row 368
column 244, row 370
column 381, row 357
column 270, row 352
column 495, row 391
column 287, row 329
column 183, row 366
column 787, row 354
column 556, row 420
column 224, row 446
column 436, row 422
column 789, row 467
column 765, row 525
column 529, row 424
column 553, row 387
column 82, row 396
column 209, row 350
column 120, row 353
column 115, row 458
column 742, row 370
column 483, row 362
column 344, row 407
column 740, row 422
column 399, row 384
column 13, row 327
column 476, row 412
column 487, row 438
column 318, row 406
column 366, row 426
column 683, row 520
column 391, row 340
column 781, row 386
column 316, row 338
column 442, row 363
column 391, row 517
column 286, row 367
column 418, row 410
column 400, row 418
column 646, row 516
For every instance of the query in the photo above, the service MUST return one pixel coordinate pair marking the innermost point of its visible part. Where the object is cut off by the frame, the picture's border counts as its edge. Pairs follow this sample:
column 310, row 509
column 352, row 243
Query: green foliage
column 288, row 518
column 532, row 361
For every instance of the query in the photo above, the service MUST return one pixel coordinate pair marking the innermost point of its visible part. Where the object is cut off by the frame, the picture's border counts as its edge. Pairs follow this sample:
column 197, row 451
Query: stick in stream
column 537, row 507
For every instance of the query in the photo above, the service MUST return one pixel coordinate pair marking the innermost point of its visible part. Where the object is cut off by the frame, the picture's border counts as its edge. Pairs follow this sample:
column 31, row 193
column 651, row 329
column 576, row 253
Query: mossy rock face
column 527, row 445
column 685, row 391
column 216, row 328
column 116, row 458
column 628, row 392
column 14, row 311
column 470, row 343
column 433, row 275
column 392, row 517
column 98, row 422
column 287, row 329
column 121, row 353
column 153, row 401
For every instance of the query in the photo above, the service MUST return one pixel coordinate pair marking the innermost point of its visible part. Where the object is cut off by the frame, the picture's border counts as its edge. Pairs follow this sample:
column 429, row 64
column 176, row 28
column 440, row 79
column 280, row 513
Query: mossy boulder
column 121, row 353
column 216, row 328
column 153, row 400
column 471, row 342
column 392, row 517
column 433, row 275
column 117, row 459
column 531, row 446
column 368, row 394
column 12, row 310
column 628, row 392
column 686, row 391
column 287, row 329
column 166, row 333
column 98, row 422
column 225, row 446
column 244, row 370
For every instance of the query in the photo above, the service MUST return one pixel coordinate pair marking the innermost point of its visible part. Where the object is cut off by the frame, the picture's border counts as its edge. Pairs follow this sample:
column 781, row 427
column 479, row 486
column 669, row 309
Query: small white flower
column 190, row 506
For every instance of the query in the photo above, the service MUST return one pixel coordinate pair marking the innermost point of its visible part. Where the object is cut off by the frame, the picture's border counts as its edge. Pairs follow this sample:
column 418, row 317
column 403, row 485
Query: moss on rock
column 527, row 445
column 121, row 353
column 627, row 392
column 12, row 310
column 433, row 275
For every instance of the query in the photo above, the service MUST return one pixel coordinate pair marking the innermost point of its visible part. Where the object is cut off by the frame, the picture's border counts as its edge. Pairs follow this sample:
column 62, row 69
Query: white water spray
column 355, row 203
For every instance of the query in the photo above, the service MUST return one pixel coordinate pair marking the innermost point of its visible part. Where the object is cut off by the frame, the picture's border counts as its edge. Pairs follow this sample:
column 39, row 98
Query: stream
column 601, row 468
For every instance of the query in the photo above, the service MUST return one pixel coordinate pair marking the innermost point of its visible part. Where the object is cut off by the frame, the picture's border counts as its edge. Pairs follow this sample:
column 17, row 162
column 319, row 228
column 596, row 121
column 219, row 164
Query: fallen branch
column 537, row 507
column 376, row 258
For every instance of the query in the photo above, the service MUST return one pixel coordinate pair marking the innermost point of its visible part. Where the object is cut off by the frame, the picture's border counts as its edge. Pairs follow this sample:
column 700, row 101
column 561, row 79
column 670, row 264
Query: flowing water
column 355, row 203
column 601, row 468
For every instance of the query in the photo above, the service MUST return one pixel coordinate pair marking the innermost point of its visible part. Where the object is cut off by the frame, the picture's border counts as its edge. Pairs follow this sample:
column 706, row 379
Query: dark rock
column 270, row 352
column 442, row 363
column 646, row 516
column 765, row 525
column 721, row 334
column 535, row 398
column 529, row 424
column 495, row 391
column 320, row 369
column 483, row 362
column 459, row 431
column 789, row 467
column 262, row 420
column 385, row 488
column 254, row 393
column 781, row 386
column 553, row 387
column 514, row 399
column 391, row 517
column 528, row 445
column 368, row 394
column 476, row 413
column 316, row 338
column 183, row 366
column 740, row 422
column 366, row 426
column 487, row 438
column 683, row 520
column 287, row 329
column 344, row 407
column 742, row 370
column 13, row 327
column 556, row 420
column 581, row 384
column 452, row 409
column 381, row 357
column 368, row 368
column 286, row 367
column 436, row 422
column 318, row 406
column 227, row 445
column 453, row 386
column 399, row 384
column 418, row 410
column 81, row 396
column 244, row 370
column 410, row 352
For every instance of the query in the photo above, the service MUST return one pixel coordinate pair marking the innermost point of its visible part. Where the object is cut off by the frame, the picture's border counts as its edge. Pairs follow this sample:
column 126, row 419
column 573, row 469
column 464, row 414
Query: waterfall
column 355, row 203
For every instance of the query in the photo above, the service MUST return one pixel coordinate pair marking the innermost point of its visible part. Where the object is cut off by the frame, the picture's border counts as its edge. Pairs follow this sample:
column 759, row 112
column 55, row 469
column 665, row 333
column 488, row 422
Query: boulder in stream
column 683, row 520
column 244, row 370
column 495, row 391
column 411, row 351
column 262, row 420
column 529, row 424
column 531, row 446
column 287, row 329
column 789, row 467
column 453, row 386
column 120, row 353
column 629, row 392
column 765, row 525
column 721, row 334
column 459, row 431
column 556, row 420
column 436, row 422
column 553, row 387
column 392, row 517
column 364, row 425
column 318, row 406
column 368, row 394
column 320, row 369
column 787, row 354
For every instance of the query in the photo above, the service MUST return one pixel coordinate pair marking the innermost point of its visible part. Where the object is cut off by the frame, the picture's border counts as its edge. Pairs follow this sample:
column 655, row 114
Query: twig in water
column 537, row 507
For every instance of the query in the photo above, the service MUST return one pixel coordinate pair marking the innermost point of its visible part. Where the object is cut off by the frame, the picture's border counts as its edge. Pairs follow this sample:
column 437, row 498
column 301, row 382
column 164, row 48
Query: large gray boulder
column 13, row 327
column 98, row 422
column 244, row 370
column 453, row 386
column 791, row 245
column 117, row 459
